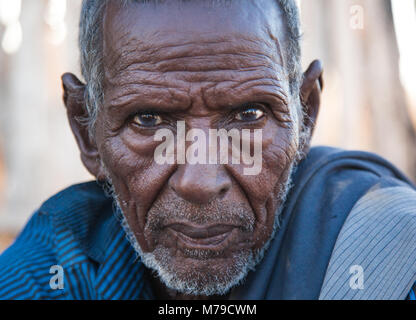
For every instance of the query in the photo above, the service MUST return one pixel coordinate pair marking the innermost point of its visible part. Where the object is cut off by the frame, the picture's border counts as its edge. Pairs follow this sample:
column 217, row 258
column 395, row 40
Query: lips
column 199, row 236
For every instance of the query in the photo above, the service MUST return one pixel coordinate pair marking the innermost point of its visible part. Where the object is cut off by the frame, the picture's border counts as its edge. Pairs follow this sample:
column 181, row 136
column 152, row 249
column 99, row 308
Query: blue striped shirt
column 76, row 232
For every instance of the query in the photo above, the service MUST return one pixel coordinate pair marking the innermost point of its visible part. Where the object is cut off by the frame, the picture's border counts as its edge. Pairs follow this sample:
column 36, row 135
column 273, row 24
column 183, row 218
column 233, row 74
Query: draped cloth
column 346, row 209
column 379, row 237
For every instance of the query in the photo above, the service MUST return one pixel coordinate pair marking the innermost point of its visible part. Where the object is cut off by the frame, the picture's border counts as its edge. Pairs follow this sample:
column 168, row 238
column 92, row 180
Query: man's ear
column 74, row 101
column 310, row 97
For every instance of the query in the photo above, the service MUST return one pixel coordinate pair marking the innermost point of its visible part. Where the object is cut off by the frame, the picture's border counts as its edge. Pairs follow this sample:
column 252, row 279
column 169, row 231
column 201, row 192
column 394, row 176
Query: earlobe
column 74, row 101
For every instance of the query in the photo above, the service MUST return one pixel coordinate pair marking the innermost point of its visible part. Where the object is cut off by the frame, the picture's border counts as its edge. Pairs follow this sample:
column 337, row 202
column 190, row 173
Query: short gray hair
column 91, row 47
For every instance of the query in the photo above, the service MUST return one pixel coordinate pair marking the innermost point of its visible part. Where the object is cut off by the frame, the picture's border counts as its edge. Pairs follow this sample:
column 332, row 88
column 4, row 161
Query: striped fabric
column 379, row 237
column 78, row 231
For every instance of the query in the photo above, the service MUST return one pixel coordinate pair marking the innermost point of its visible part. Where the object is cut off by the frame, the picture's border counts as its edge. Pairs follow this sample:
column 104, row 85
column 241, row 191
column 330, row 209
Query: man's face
column 201, row 226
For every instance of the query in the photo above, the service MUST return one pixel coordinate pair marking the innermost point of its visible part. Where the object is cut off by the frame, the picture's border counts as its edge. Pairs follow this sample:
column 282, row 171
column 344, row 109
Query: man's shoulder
column 77, row 196
column 385, row 193
column 73, row 208
column 338, row 174
column 327, row 186
column 378, row 240
column 56, row 234
column 25, row 265
column 324, row 157
column 330, row 181
column 378, row 235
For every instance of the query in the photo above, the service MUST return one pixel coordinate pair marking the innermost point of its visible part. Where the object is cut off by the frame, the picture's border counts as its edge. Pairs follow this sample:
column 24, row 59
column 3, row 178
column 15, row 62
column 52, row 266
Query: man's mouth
column 202, row 237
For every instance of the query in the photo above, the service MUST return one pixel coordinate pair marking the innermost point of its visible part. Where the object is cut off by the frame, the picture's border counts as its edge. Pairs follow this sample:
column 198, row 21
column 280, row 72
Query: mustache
column 171, row 209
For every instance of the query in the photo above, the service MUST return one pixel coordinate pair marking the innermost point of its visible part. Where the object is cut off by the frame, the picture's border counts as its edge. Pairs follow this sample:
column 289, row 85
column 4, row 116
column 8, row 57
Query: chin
column 198, row 273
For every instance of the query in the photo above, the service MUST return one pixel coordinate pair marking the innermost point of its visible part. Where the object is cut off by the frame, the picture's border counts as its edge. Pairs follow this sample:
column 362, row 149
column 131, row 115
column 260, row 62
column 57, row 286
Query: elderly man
column 164, row 221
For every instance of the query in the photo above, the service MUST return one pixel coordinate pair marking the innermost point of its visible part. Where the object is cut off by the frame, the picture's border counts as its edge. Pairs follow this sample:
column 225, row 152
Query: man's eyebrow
column 143, row 102
column 261, row 91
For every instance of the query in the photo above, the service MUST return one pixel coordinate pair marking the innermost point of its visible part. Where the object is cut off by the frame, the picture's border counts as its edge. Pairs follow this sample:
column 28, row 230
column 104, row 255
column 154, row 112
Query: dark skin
column 204, row 66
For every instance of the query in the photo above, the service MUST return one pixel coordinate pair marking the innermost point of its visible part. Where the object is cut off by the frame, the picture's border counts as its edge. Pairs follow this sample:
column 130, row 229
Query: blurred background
column 368, row 49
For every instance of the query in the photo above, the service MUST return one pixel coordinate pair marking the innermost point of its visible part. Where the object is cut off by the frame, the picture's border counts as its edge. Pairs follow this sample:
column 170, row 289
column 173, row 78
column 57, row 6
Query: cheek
column 279, row 148
column 130, row 159
column 136, row 177
column 279, row 151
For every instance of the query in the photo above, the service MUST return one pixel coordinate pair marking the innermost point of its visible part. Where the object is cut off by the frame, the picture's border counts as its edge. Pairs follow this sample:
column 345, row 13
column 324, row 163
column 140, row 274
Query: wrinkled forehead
column 153, row 33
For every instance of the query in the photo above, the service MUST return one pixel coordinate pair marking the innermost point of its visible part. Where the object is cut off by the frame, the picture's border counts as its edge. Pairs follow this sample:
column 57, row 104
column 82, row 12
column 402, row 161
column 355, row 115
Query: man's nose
column 200, row 183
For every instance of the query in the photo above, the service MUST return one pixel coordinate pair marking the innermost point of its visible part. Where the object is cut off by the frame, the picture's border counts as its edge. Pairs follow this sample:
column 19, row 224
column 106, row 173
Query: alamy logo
column 357, row 17
column 198, row 153
column 357, row 277
column 57, row 280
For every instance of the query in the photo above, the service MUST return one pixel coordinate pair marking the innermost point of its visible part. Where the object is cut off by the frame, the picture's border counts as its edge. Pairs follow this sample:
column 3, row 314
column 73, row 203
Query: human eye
column 147, row 119
column 250, row 113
